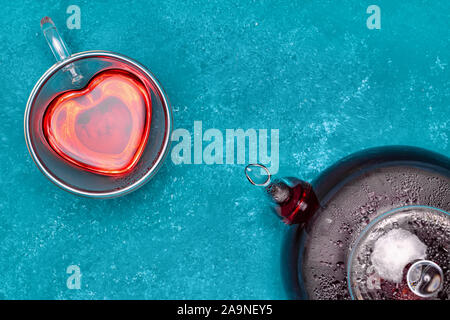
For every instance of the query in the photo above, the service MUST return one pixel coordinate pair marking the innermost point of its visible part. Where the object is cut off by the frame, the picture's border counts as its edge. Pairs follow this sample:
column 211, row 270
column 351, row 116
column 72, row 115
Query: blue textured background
column 311, row 69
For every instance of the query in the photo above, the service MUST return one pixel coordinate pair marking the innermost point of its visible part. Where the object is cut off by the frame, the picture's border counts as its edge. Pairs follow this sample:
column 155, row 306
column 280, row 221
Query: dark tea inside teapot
column 373, row 226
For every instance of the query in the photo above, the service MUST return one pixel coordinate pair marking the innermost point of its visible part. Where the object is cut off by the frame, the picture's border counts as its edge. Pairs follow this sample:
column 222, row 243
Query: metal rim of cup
column 159, row 159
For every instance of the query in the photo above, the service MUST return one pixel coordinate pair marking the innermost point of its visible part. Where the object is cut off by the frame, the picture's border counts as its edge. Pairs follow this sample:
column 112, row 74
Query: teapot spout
column 294, row 200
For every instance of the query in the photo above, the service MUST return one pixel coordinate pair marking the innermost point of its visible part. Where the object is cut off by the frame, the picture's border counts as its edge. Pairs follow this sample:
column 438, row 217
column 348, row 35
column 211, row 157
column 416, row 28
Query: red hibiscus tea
column 102, row 128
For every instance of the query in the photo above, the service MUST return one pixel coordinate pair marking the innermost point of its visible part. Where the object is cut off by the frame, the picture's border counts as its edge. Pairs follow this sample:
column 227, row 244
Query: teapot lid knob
column 425, row 278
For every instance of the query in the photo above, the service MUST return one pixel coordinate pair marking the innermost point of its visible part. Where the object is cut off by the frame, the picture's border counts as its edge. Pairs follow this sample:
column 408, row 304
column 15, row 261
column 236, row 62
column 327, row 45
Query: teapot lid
column 402, row 255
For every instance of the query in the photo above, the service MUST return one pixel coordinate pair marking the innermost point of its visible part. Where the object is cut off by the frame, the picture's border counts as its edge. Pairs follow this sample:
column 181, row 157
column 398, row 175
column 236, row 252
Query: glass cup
column 73, row 72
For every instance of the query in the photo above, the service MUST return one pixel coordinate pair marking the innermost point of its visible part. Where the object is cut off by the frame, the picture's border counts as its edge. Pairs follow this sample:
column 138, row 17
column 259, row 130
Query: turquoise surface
column 311, row 69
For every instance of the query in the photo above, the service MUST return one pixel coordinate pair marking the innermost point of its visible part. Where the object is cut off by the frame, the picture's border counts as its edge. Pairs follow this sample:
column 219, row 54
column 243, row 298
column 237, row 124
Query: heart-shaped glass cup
column 72, row 73
column 104, row 127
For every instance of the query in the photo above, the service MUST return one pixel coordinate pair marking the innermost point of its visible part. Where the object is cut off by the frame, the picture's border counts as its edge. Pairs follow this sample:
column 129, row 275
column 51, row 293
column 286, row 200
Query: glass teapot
column 375, row 225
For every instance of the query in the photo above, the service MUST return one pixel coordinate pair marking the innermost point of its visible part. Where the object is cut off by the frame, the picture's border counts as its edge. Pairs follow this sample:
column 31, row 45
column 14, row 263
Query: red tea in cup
column 104, row 127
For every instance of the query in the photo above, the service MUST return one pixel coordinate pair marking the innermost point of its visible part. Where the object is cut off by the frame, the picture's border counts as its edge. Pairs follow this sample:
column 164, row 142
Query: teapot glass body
column 351, row 195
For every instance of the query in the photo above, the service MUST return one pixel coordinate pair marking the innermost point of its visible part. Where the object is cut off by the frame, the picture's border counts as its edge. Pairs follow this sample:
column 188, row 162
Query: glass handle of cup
column 58, row 47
